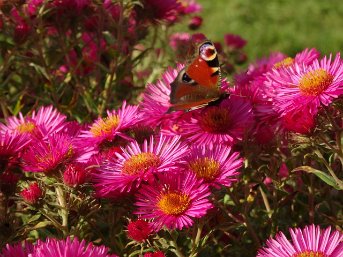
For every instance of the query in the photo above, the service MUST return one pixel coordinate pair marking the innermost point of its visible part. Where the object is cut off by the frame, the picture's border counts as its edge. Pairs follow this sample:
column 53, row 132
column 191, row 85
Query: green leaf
column 320, row 174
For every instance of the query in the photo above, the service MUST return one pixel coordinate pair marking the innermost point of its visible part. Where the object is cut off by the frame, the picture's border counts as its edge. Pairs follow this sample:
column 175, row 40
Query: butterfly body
column 197, row 84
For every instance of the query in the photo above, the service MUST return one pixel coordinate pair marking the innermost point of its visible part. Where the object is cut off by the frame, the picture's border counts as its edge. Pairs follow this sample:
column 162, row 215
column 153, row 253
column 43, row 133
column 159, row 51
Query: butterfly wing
column 197, row 84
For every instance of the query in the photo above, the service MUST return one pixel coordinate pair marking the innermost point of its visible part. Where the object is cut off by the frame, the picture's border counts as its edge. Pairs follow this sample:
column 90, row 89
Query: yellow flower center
column 105, row 126
column 215, row 120
column 205, row 168
column 284, row 63
column 309, row 254
column 26, row 127
column 141, row 163
column 315, row 82
column 174, row 203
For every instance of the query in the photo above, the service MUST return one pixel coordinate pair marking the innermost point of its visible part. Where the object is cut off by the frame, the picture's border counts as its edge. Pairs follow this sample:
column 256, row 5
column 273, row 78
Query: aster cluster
column 137, row 179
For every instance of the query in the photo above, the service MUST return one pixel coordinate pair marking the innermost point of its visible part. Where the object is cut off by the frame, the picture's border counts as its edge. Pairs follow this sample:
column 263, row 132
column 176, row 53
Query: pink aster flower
column 309, row 241
column 222, row 124
column 17, row 250
column 189, row 6
column 75, row 174
column 32, row 193
column 46, row 121
column 259, row 68
column 301, row 121
column 158, row 10
column 154, row 254
column 216, row 165
column 69, row 247
column 195, row 22
column 302, row 86
column 115, row 124
column 173, row 200
column 48, row 155
column 139, row 230
column 306, row 57
column 11, row 144
column 155, row 103
column 137, row 164
column 234, row 41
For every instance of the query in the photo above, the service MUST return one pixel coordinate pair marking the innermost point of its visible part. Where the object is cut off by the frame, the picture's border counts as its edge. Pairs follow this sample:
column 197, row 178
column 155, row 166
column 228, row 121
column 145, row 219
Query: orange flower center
column 315, row 82
column 284, row 63
column 26, row 127
column 205, row 168
column 309, row 254
column 105, row 126
column 141, row 163
column 215, row 120
column 174, row 203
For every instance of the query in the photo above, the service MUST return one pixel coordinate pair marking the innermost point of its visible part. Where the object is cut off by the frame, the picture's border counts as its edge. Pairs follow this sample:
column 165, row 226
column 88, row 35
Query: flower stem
column 174, row 244
column 266, row 202
column 64, row 211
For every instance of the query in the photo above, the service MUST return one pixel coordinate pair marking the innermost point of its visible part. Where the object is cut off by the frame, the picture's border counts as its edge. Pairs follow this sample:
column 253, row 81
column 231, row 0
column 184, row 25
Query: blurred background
column 280, row 25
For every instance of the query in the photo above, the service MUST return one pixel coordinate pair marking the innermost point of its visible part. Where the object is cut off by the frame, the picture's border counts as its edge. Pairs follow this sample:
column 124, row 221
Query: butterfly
column 198, row 84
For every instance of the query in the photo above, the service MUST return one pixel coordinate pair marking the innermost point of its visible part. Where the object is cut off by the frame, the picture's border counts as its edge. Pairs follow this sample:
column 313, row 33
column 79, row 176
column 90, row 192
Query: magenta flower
column 157, row 10
column 173, row 200
column 75, row 174
column 137, row 164
column 155, row 103
column 47, row 155
column 17, row 250
column 302, row 86
column 32, row 193
column 234, row 41
column 189, row 6
column 216, row 165
column 222, row 124
column 309, row 241
column 69, row 247
column 11, row 144
column 46, row 121
column 139, row 230
column 306, row 57
column 301, row 121
column 154, row 254
column 114, row 125
column 195, row 22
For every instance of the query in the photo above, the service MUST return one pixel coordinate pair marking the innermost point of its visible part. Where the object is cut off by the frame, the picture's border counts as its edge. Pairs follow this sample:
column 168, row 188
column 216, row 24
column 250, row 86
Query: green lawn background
column 281, row 25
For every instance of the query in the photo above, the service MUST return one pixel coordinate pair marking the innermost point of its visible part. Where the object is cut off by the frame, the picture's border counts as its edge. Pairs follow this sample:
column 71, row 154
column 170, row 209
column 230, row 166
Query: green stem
column 174, row 244
column 266, row 202
column 197, row 239
column 64, row 210
column 332, row 173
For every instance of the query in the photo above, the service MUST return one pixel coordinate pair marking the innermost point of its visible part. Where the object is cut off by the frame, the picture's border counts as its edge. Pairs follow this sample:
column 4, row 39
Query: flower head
column 17, row 250
column 107, row 129
column 154, row 254
column 173, row 200
column 307, row 86
column 222, row 124
column 11, row 144
column 47, row 155
column 74, row 174
column 47, row 120
column 234, row 41
column 69, row 247
column 137, row 164
column 310, row 241
column 139, row 230
column 155, row 103
column 32, row 193
column 216, row 165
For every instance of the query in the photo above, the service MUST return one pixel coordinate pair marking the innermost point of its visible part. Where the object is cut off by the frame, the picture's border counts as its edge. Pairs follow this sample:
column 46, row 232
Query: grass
column 276, row 25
